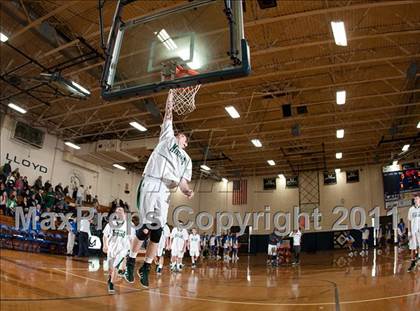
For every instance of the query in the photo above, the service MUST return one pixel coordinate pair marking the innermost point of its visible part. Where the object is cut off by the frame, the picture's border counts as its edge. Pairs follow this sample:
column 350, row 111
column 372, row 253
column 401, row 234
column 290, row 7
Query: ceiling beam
column 38, row 21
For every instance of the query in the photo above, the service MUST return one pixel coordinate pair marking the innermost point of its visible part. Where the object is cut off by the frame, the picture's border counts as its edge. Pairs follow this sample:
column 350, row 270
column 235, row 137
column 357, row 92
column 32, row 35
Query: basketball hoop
column 184, row 97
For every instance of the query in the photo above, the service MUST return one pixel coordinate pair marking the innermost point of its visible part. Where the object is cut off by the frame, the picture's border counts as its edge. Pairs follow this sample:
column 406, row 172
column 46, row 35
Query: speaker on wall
column 287, row 110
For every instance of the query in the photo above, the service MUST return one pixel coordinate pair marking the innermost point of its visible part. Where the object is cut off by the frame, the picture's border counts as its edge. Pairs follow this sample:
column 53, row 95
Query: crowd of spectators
column 16, row 190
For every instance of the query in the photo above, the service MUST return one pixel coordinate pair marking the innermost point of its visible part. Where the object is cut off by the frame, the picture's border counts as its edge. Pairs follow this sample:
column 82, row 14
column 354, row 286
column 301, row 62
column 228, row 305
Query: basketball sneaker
column 159, row 270
column 129, row 271
column 143, row 274
column 111, row 289
column 412, row 266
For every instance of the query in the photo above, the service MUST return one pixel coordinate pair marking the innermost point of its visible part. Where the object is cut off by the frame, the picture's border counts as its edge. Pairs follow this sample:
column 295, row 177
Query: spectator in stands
column 66, row 191
column 47, row 185
column 3, row 198
column 88, row 194
column 16, row 173
column 38, row 183
column 24, row 204
column 32, row 201
column 7, row 169
column 49, row 198
column 19, row 186
column 83, row 238
column 95, row 201
column 25, row 183
column 59, row 188
column 10, row 181
column 11, row 205
column 2, row 177
column 39, row 197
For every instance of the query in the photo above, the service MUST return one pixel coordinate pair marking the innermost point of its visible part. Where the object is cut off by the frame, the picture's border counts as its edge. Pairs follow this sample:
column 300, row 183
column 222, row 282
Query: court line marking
column 151, row 291
column 205, row 299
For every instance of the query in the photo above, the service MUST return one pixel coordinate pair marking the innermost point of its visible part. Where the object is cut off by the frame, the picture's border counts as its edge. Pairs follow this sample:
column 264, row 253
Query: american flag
column 239, row 194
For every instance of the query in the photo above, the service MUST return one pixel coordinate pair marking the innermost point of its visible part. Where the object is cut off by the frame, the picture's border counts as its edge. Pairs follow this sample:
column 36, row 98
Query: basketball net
column 184, row 97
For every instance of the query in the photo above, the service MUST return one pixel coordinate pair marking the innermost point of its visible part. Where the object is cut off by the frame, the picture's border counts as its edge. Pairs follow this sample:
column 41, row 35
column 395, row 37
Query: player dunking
column 169, row 166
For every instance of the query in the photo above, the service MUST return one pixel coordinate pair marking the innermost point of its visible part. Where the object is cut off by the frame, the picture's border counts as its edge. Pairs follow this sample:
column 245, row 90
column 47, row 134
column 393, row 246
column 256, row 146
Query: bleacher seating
column 52, row 241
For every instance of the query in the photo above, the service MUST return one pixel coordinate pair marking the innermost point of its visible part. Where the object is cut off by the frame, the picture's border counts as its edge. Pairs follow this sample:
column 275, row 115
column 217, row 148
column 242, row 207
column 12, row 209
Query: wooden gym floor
column 324, row 281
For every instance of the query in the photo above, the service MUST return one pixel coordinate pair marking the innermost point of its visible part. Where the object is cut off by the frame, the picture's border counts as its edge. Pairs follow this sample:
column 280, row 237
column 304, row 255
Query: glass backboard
column 142, row 54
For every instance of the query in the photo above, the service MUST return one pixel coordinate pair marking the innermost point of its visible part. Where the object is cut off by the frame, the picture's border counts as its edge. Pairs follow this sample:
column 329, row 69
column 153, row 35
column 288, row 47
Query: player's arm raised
column 166, row 127
column 168, row 108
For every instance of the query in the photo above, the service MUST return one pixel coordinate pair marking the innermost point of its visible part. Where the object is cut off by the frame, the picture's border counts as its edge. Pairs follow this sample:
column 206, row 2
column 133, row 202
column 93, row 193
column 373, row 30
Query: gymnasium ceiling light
column 271, row 162
column 138, row 126
column 340, row 133
column 70, row 86
column 234, row 114
column 80, row 88
column 338, row 155
column 70, row 144
column 120, row 167
column 257, row 143
column 405, row 147
column 17, row 108
column 340, row 97
column 224, row 180
column 3, row 37
column 339, row 32
column 205, row 167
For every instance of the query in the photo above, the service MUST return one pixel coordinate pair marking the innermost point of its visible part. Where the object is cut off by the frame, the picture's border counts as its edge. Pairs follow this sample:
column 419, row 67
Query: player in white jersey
column 116, row 244
column 194, row 246
column 169, row 166
column 414, row 231
column 163, row 244
column 179, row 238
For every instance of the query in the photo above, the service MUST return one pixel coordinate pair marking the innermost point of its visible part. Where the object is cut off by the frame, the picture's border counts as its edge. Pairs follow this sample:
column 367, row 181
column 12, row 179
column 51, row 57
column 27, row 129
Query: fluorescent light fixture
column 418, row 125
column 164, row 37
column 340, row 133
column 256, row 143
column 138, row 126
column 120, row 167
column 74, row 146
column 3, row 37
column 17, row 108
column 224, row 180
column 338, row 155
column 395, row 162
column 339, row 32
column 337, row 171
column 234, row 114
column 271, row 162
column 340, row 97
column 281, row 176
column 80, row 88
column 405, row 147
column 205, row 167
